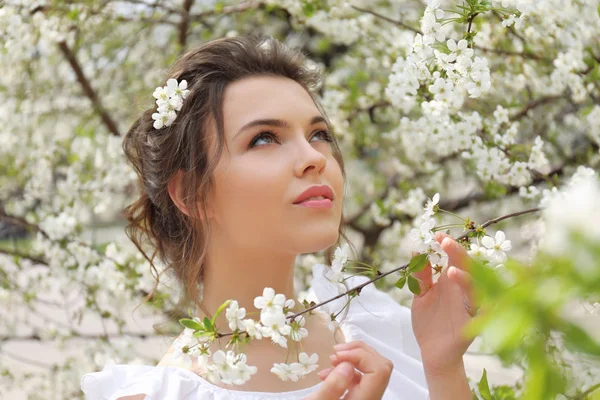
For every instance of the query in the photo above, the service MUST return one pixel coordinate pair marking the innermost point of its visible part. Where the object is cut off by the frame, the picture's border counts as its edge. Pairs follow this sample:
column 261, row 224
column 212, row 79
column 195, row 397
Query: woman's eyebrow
column 276, row 123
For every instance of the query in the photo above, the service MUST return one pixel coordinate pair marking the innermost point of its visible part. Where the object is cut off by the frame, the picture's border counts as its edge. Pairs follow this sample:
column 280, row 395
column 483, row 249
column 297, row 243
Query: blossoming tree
column 495, row 105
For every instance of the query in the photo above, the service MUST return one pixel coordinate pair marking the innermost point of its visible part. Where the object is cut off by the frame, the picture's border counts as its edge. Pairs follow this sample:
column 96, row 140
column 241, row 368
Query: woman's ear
column 175, row 189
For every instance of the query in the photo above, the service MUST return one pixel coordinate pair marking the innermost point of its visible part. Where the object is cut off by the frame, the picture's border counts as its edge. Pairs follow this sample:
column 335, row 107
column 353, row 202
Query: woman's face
column 269, row 164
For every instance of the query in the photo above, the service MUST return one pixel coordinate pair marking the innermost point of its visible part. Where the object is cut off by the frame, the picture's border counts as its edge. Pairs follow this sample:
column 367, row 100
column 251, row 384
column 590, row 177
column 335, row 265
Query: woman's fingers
column 457, row 255
column 376, row 371
column 326, row 372
column 458, row 259
column 464, row 281
column 336, row 382
column 462, row 278
column 353, row 345
column 369, row 378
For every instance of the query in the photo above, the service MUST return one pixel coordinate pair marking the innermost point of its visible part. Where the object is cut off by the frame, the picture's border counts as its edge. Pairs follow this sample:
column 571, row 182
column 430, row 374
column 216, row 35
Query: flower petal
column 488, row 242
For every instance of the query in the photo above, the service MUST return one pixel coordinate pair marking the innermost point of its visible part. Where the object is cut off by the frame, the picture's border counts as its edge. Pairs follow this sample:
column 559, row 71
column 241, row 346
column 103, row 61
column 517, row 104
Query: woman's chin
column 318, row 242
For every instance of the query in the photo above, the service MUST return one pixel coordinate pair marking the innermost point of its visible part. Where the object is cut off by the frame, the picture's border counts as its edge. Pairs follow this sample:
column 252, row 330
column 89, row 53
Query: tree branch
column 393, row 21
column 534, row 104
column 21, row 222
column 531, row 56
column 247, row 5
column 23, row 255
column 77, row 335
column 185, row 22
column 87, row 88
column 24, row 360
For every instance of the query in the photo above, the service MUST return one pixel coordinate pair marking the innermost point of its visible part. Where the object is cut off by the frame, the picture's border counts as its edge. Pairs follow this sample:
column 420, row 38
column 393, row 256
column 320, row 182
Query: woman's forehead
column 265, row 97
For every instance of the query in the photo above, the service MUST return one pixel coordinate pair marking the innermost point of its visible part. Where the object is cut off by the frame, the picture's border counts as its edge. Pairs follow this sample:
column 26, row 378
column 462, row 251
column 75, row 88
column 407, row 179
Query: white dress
column 373, row 317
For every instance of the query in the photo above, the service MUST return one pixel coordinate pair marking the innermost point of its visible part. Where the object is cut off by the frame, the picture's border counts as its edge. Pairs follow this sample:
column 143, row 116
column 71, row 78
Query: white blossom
column 284, row 372
column 234, row 316
column 496, row 247
column 275, row 326
column 270, row 302
column 297, row 329
column 253, row 328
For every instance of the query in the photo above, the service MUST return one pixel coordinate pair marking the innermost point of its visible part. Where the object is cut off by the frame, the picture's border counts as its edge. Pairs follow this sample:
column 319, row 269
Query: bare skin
column 257, row 230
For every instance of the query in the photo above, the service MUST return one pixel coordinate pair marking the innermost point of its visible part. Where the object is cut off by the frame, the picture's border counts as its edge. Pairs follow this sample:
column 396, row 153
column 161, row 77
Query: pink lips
column 325, row 203
column 315, row 191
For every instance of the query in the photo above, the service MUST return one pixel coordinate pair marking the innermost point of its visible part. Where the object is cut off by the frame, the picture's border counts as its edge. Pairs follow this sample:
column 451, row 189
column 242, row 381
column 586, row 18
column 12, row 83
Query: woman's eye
column 325, row 135
column 268, row 136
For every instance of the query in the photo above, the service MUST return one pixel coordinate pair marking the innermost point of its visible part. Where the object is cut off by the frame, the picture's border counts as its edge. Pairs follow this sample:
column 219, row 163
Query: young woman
column 230, row 185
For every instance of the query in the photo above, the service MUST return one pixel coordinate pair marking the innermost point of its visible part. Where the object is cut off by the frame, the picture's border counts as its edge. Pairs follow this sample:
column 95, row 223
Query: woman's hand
column 441, row 311
column 358, row 368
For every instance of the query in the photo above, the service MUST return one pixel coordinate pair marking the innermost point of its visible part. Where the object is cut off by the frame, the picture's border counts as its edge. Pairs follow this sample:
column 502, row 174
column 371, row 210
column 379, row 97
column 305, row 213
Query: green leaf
column 73, row 15
column 401, row 282
column 506, row 329
column 417, row 263
column 191, row 324
column 309, row 9
column 579, row 340
column 208, row 324
column 219, row 311
column 202, row 333
column 484, row 387
column 413, row 285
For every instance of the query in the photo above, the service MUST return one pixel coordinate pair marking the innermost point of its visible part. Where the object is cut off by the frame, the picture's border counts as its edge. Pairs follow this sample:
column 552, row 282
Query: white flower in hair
column 174, row 89
column 169, row 99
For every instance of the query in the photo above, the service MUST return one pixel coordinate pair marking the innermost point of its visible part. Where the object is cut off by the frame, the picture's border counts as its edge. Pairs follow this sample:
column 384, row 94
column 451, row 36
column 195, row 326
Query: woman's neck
column 242, row 276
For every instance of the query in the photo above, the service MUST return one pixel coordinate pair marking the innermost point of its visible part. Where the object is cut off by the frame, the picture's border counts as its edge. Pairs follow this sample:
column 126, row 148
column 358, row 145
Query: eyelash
column 326, row 135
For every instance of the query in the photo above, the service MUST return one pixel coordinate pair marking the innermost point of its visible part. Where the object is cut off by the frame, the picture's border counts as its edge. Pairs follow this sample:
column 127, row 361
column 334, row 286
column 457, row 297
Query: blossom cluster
column 424, row 237
column 232, row 368
column 224, row 367
column 169, row 99
column 491, row 249
column 294, row 371
column 449, row 73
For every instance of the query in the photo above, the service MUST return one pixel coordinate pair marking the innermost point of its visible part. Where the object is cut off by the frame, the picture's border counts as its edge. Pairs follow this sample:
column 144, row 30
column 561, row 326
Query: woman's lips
column 325, row 203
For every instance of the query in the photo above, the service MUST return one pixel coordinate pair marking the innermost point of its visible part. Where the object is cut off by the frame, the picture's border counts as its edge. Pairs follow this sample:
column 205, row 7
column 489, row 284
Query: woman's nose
column 308, row 158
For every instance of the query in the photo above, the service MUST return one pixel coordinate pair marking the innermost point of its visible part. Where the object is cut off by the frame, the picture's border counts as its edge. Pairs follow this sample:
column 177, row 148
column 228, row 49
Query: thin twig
column 531, row 56
column 228, row 10
column 156, row 5
column 22, row 222
column 584, row 395
column 534, row 104
column 383, row 17
column 383, row 275
column 74, row 335
column 87, row 88
column 25, row 256
column 25, row 360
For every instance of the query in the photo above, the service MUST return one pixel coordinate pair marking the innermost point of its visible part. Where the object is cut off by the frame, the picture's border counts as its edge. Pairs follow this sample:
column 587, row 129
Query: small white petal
column 488, row 242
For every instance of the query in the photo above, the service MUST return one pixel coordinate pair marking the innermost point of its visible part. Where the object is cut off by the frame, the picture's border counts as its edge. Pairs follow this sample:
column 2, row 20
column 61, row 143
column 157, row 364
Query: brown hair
column 158, row 154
